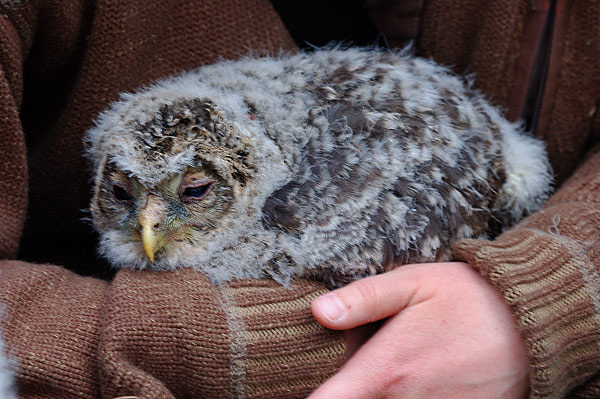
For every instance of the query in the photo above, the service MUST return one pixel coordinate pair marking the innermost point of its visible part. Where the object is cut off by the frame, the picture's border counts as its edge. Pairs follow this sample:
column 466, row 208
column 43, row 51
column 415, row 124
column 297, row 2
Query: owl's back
column 363, row 159
column 397, row 159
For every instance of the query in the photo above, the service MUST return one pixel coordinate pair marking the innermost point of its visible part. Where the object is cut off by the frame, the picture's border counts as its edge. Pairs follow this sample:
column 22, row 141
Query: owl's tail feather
column 529, row 176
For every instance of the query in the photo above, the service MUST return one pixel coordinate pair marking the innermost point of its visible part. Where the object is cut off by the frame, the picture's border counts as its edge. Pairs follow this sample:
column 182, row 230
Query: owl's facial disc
column 165, row 219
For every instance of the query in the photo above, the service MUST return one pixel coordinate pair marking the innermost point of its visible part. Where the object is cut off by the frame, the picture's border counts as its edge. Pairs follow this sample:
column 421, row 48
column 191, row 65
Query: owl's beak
column 151, row 221
column 150, row 242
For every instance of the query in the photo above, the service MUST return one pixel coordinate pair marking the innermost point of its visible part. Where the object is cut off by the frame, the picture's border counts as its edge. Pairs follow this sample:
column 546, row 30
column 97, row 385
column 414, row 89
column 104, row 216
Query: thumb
column 367, row 300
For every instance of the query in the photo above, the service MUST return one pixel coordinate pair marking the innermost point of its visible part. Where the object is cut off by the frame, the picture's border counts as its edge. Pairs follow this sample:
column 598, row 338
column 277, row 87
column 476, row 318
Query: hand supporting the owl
column 449, row 335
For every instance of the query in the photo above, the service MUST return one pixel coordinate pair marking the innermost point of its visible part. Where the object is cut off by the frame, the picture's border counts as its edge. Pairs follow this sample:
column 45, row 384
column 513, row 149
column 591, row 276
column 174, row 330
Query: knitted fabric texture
column 547, row 266
column 63, row 61
column 65, row 331
column 547, row 269
column 257, row 339
column 163, row 335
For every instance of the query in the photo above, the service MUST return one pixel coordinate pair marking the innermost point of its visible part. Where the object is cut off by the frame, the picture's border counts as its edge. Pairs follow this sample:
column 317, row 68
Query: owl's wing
column 328, row 171
column 358, row 202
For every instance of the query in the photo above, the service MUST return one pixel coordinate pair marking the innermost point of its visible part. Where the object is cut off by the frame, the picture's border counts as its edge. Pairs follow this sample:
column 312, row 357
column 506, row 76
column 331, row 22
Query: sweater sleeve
column 174, row 334
column 162, row 335
column 13, row 168
column 51, row 322
column 159, row 335
column 548, row 269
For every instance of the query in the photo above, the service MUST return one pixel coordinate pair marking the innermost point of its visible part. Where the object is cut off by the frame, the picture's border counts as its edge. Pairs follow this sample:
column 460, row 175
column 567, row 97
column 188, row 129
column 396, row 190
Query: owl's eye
column 196, row 193
column 121, row 194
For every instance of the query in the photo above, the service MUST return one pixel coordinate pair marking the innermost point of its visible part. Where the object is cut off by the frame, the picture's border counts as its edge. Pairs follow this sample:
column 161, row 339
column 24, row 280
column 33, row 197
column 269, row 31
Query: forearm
column 252, row 338
column 51, row 326
column 547, row 269
column 162, row 335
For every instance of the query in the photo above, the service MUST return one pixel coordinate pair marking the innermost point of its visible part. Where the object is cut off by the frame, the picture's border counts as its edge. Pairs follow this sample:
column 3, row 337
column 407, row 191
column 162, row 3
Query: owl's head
column 168, row 175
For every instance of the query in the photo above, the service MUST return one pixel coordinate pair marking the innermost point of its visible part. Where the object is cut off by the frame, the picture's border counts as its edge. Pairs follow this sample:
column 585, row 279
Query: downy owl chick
column 335, row 164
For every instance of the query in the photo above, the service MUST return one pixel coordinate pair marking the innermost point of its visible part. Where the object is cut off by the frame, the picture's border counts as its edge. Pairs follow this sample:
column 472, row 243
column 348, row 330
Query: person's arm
column 51, row 322
column 176, row 335
column 162, row 335
column 449, row 333
column 13, row 167
column 144, row 334
column 548, row 270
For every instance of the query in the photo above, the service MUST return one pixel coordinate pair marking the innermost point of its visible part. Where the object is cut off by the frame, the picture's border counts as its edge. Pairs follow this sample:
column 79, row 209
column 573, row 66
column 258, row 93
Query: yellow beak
column 149, row 240
column 151, row 221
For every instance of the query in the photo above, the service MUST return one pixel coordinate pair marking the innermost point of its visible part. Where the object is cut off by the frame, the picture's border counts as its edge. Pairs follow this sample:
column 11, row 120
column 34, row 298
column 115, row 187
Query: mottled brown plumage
column 336, row 164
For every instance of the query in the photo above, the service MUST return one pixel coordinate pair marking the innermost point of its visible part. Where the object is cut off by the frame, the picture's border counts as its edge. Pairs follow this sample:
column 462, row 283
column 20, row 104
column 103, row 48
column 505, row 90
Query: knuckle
column 394, row 381
column 394, row 385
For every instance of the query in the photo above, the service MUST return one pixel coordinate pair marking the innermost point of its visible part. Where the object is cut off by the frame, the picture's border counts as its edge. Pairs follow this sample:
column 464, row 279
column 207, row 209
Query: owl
column 334, row 164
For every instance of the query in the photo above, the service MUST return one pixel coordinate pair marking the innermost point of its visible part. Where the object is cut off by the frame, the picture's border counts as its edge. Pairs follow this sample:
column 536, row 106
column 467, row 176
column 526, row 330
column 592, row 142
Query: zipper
column 539, row 74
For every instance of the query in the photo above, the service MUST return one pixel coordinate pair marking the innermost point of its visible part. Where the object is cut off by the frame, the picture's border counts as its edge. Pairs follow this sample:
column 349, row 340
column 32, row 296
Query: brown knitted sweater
column 547, row 267
column 169, row 335
column 153, row 335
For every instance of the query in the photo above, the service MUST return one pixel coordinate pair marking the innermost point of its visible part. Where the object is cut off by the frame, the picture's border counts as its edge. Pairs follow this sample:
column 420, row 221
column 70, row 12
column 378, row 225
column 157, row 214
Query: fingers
column 450, row 335
column 356, row 337
column 367, row 300
column 372, row 372
column 348, row 383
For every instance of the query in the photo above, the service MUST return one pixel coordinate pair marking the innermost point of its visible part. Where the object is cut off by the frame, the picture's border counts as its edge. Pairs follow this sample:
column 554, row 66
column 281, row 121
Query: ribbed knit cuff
column 169, row 335
column 547, row 270
column 283, row 352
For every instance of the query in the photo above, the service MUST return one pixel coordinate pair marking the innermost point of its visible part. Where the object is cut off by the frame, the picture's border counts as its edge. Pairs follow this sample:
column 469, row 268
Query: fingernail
column 332, row 307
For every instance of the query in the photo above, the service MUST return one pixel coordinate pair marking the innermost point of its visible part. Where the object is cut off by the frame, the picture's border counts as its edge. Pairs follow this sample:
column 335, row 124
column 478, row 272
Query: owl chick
column 335, row 164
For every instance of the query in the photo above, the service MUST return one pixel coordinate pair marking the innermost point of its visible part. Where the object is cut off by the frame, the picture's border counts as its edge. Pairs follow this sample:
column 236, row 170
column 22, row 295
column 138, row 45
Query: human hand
column 449, row 335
